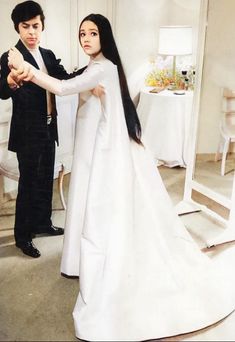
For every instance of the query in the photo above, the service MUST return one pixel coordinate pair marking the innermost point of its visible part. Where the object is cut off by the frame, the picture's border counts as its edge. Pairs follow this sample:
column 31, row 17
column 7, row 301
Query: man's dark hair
column 25, row 11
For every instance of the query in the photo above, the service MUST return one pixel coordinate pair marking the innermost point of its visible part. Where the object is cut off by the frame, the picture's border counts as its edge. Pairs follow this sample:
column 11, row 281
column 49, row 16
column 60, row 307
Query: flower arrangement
column 161, row 75
column 164, row 78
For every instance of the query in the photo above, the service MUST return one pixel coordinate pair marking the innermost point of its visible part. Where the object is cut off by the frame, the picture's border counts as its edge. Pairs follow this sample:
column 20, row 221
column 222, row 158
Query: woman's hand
column 98, row 91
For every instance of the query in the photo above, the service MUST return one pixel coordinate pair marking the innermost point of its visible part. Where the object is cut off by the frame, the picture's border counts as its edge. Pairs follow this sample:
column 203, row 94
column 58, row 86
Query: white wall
column 219, row 66
column 137, row 37
column 61, row 30
column 137, row 25
column 186, row 12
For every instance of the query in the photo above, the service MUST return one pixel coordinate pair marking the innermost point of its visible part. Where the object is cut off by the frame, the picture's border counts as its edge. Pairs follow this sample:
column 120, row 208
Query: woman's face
column 89, row 38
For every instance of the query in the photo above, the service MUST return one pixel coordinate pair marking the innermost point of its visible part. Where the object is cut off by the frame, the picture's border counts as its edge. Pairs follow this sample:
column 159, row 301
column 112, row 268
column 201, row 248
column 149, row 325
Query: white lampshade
column 175, row 40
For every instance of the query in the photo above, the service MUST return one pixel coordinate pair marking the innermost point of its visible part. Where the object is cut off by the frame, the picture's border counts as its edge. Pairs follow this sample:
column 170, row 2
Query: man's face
column 30, row 32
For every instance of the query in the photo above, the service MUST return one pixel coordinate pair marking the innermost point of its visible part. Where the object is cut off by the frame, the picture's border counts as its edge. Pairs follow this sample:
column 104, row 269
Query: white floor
column 36, row 302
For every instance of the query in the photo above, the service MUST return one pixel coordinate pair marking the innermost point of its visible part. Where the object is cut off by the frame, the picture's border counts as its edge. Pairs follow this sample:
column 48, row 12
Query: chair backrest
column 8, row 161
column 4, row 122
column 67, row 108
column 228, row 106
column 67, row 112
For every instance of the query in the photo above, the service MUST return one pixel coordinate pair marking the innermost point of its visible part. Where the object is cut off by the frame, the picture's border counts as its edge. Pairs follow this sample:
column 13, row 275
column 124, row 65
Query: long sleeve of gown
column 86, row 81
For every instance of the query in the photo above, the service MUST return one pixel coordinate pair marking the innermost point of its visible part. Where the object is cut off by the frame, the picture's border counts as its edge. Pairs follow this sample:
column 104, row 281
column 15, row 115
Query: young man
column 33, row 130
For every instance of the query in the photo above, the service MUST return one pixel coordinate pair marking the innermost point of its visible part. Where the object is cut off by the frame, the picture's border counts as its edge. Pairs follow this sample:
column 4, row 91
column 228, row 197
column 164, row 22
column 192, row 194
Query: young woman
column 141, row 274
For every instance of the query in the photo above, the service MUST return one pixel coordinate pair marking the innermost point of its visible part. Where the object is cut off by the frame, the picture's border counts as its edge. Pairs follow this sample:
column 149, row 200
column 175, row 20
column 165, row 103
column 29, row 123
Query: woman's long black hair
column 110, row 51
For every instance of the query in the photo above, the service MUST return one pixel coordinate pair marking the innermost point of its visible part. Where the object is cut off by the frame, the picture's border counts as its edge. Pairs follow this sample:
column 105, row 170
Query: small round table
column 165, row 119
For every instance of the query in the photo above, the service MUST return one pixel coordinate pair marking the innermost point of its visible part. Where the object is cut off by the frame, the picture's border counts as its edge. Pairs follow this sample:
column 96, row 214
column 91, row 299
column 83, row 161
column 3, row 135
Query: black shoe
column 29, row 249
column 53, row 230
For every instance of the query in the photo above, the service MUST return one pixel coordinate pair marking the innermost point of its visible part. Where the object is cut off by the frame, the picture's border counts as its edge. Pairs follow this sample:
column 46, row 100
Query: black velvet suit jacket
column 29, row 121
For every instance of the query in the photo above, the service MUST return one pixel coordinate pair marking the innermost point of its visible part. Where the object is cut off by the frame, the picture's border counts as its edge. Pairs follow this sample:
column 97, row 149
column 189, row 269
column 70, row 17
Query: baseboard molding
column 8, row 196
column 211, row 156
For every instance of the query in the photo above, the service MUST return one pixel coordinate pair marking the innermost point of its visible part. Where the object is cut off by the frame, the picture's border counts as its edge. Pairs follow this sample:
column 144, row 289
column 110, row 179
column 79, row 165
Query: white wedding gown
column 141, row 274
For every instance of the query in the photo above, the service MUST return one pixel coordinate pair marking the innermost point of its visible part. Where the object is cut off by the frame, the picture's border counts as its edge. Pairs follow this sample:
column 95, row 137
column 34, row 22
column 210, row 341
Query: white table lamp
column 175, row 41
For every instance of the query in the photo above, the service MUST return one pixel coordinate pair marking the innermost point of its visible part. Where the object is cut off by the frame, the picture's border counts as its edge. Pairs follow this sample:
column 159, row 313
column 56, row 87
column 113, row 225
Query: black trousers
column 35, row 189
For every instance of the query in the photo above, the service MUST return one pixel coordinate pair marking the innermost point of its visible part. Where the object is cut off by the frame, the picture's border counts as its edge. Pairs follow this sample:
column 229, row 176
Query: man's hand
column 15, row 58
column 16, row 77
column 98, row 91
column 12, row 82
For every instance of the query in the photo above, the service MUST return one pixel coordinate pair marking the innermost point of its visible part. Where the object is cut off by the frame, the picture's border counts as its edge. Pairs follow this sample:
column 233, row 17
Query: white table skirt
column 165, row 119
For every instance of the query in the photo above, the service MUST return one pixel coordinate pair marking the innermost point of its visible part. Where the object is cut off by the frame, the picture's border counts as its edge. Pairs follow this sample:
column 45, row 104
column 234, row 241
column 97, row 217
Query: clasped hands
column 21, row 71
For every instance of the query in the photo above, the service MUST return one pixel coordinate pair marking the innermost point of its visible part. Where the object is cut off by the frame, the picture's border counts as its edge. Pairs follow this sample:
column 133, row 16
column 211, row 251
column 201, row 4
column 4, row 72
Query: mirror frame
column 188, row 205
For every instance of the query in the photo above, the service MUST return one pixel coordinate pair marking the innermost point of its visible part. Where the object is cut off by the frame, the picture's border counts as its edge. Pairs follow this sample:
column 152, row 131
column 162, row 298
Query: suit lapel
column 28, row 57
column 46, row 59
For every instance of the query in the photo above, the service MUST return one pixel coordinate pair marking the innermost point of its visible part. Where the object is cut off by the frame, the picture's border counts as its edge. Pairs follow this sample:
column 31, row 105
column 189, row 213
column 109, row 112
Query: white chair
column 227, row 126
column 9, row 163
